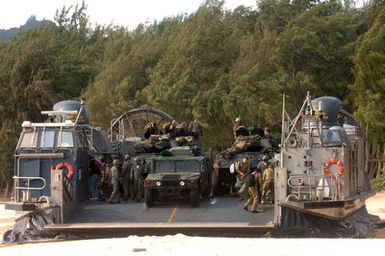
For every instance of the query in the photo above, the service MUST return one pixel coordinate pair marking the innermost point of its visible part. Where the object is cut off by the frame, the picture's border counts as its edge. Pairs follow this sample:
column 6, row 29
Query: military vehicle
column 253, row 145
column 322, row 167
column 183, row 175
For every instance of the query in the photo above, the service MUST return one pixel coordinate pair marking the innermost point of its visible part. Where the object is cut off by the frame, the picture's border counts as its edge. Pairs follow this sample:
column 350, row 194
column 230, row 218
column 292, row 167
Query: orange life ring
column 69, row 168
column 340, row 165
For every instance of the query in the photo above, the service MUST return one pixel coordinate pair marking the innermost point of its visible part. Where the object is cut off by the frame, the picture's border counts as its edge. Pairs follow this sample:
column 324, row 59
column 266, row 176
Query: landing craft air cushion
column 320, row 172
column 322, row 165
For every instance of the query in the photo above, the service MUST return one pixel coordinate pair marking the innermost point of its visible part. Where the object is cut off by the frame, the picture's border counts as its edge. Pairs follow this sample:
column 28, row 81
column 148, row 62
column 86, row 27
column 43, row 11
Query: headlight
column 181, row 183
column 158, row 184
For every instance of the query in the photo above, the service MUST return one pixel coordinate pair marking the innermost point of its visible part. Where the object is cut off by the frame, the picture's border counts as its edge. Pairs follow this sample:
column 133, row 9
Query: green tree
column 369, row 87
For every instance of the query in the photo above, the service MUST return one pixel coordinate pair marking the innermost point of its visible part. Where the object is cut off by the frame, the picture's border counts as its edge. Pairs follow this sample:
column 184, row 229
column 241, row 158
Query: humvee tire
column 194, row 197
column 148, row 197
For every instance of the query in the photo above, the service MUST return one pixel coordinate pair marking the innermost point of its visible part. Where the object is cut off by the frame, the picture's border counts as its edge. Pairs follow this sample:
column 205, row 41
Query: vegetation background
column 212, row 65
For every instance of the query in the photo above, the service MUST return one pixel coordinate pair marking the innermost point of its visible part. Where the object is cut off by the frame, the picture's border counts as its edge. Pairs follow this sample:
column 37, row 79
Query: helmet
column 238, row 119
column 265, row 158
column 115, row 162
column 126, row 157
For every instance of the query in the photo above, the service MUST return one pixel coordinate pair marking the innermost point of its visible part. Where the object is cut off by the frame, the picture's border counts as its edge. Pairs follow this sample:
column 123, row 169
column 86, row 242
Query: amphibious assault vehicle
column 253, row 145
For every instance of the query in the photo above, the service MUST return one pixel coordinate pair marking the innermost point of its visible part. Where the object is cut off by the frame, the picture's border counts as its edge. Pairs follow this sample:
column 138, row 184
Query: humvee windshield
column 177, row 166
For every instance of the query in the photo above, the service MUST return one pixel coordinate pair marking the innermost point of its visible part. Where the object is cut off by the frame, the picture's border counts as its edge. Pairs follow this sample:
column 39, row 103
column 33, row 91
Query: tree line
column 212, row 65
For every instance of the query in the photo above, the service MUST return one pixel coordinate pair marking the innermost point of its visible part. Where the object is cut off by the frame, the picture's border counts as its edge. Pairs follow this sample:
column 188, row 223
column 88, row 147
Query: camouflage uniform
column 243, row 169
column 196, row 129
column 105, row 181
column 127, row 178
column 254, row 190
column 114, row 198
column 263, row 165
column 138, row 171
column 268, row 184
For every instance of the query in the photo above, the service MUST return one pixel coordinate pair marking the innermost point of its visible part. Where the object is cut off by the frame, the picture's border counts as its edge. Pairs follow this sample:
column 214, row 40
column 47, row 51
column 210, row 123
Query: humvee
column 184, row 176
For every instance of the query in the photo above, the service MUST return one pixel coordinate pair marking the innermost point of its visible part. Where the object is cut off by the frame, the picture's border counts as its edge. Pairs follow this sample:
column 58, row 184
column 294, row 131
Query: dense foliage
column 212, row 65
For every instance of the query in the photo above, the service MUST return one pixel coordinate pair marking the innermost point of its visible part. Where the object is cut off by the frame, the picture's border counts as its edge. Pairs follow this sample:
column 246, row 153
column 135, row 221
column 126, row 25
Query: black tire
column 194, row 197
column 148, row 197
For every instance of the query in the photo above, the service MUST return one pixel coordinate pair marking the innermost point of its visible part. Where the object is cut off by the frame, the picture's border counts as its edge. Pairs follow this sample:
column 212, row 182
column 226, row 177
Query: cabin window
column 66, row 140
column 332, row 137
column 47, row 139
column 29, row 140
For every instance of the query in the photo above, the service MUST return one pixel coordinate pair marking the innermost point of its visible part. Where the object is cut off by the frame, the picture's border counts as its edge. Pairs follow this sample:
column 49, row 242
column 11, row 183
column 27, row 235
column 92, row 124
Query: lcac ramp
column 223, row 216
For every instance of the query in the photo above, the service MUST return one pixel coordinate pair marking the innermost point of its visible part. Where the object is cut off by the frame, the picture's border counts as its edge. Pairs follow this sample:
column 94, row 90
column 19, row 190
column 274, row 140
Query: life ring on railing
column 69, row 168
column 340, row 166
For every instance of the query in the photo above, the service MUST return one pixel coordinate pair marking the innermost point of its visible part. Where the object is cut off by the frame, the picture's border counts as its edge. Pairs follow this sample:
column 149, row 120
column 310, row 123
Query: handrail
column 307, row 188
column 29, row 183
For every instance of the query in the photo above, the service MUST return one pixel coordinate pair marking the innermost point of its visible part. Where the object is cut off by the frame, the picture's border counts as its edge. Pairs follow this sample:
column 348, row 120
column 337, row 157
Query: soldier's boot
column 254, row 207
column 246, row 205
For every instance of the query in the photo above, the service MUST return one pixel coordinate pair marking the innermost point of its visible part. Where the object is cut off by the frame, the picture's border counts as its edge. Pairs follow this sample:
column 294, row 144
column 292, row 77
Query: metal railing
column 26, row 189
column 306, row 187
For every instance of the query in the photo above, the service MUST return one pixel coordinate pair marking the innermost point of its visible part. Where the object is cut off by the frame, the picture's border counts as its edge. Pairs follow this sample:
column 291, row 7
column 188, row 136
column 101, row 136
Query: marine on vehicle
column 128, row 133
column 184, row 174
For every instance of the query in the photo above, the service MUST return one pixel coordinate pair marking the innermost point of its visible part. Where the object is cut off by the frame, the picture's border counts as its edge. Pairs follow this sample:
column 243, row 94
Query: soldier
column 254, row 187
column 264, row 164
column 239, row 129
column 150, row 129
column 268, row 184
column 173, row 129
column 94, row 174
column 126, row 178
column 242, row 169
column 237, row 123
column 182, row 130
column 105, row 180
column 196, row 129
column 138, row 171
column 114, row 198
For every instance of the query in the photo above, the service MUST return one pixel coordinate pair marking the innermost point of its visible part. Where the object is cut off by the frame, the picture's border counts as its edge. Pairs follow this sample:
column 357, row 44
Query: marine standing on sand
column 127, row 178
column 114, row 198
column 268, row 184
